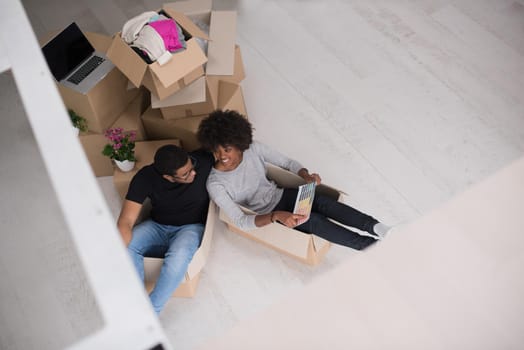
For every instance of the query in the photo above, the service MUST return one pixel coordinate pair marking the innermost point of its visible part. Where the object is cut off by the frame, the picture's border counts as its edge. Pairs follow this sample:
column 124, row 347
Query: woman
column 238, row 178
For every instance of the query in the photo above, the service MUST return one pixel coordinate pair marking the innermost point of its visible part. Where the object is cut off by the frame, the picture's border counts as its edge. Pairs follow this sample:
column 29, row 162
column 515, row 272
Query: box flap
column 221, row 48
column 180, row 65
column 186, row 23
column 278, row 236
column 200, row 257
column 230, row 97
column 191, row 7
column 318, row 242
column 193, row 93
column 127, row 61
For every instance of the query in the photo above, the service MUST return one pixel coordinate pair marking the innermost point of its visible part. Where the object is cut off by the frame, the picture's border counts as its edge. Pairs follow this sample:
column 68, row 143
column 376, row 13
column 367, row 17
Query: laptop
column 304, row 201
column 74, row 62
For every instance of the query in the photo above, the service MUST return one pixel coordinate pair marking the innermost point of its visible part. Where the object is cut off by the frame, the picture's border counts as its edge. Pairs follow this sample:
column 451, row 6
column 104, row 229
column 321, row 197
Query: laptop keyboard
column 84, row 71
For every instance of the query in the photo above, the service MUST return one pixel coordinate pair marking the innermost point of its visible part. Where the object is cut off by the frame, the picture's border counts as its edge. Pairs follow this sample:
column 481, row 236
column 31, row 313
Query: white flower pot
column 76, row 131
column 125, row 165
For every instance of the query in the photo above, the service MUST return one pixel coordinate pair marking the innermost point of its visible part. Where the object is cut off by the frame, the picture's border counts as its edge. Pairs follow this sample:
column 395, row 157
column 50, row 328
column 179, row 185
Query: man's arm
column 127, row 218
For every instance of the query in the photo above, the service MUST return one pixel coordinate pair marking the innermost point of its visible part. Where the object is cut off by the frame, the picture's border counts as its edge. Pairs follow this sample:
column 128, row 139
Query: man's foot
column 381, row 230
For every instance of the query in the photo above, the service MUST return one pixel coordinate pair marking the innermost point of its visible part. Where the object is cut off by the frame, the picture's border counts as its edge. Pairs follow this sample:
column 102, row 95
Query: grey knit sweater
column 248, row 186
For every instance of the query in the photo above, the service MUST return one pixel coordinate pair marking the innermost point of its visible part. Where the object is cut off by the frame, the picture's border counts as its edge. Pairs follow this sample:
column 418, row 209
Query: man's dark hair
column 170, row 158
column 223, row 128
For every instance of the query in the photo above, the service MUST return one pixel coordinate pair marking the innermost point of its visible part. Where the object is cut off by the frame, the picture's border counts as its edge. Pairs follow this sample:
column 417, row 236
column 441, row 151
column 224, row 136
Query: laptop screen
column 66, row 51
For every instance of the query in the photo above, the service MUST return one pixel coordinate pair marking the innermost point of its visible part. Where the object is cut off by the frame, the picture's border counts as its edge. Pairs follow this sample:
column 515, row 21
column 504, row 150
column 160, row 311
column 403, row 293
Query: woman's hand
column 304, row 173
column 286, row 218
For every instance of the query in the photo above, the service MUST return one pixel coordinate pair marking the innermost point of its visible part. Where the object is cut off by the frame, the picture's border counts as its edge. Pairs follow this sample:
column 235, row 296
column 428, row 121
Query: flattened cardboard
column 188, row 287
column 221, row 53
column 144, row 153
column 169, row 76
column 221, row 48
column 307, row 248
column 184, row 129
column 187, row 109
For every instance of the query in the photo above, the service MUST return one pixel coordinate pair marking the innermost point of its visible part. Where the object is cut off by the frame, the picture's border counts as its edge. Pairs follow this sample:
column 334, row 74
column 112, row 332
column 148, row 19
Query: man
column 176, row 185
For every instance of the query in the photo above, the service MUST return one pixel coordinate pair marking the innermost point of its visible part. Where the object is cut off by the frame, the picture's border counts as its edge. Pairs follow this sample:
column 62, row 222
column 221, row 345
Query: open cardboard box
column 307, row 248
column 187, row 288
column 224, row 59
column 102, row 105
column 145, row 154
column 93, row 143
column 183, row 67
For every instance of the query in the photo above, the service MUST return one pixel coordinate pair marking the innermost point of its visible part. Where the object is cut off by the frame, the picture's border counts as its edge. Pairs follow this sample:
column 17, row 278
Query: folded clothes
column 133, row 26
column 151, row 42
column 170, row 33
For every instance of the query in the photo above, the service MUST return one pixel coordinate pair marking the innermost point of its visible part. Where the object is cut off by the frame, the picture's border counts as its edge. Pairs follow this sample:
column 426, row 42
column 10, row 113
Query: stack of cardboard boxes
column 165, row 104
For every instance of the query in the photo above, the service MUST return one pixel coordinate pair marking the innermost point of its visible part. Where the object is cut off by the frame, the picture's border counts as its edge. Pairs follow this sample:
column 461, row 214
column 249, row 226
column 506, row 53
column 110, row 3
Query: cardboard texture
column 184, row 129
column 183, row 67
column 93, row 144
column 102, row 105
column 130, row 117
column 231, row 97
column 221, row 48
column 239, row 73
column 188, row 287
column 144, row 153
column 307, row 248
column 177, row 106
column 224, row 58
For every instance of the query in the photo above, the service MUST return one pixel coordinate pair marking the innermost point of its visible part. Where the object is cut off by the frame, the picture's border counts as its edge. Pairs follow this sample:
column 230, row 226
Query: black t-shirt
column 174, row 203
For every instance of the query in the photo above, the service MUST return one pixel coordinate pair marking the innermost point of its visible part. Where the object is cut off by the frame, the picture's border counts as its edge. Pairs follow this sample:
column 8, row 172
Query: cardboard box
column 184, row 129
column 144, row 153
column 230, row 96
column 93, row 143
column 102, row 105
column 188, row 287
column 183, row 67
column 222, row 33
column 130, row 117
column 239, row 73
column 201, row 97
column 308, row 248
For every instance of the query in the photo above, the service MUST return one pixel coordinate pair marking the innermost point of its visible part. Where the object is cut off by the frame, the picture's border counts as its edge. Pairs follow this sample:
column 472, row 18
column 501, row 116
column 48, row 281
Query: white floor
column 399, row 103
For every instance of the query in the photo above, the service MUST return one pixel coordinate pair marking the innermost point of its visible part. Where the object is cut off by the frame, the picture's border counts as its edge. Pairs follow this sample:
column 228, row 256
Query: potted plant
column 79, row 123
column 121, row 148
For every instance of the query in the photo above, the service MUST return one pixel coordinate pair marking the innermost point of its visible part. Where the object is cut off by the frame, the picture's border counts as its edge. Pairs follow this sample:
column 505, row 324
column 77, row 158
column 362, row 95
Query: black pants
column 325, row 207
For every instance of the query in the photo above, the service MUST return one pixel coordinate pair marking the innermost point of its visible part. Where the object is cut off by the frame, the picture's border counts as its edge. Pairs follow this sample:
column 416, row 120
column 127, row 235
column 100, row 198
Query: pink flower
column 117, row 146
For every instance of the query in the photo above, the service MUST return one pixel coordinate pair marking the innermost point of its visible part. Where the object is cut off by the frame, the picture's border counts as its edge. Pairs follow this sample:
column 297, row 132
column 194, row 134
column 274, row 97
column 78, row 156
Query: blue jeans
column 176, row 244
column 325, row 208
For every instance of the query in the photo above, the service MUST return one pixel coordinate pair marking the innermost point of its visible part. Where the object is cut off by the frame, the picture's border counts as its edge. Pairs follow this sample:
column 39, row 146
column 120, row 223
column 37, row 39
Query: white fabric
column 134, row 26
column 151, row 42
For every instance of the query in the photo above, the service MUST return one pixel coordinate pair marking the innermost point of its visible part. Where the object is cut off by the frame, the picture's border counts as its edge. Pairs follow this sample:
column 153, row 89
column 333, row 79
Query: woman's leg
column 320, row 225
column 344, row 214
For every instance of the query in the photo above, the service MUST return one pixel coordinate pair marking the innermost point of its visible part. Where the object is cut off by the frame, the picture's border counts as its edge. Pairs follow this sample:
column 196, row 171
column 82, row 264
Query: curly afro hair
column 223, row 128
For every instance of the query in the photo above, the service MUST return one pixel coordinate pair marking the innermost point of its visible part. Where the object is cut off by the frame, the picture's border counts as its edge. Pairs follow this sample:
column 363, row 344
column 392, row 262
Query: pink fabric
column 167, row 29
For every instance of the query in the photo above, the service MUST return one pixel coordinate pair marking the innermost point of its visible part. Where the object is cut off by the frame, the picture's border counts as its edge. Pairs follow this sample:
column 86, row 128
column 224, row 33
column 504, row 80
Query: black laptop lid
column 66, row 51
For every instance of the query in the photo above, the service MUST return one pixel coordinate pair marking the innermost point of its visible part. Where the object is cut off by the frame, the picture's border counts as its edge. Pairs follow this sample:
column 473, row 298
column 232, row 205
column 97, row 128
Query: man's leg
column 184, row 242
column 149, row 239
